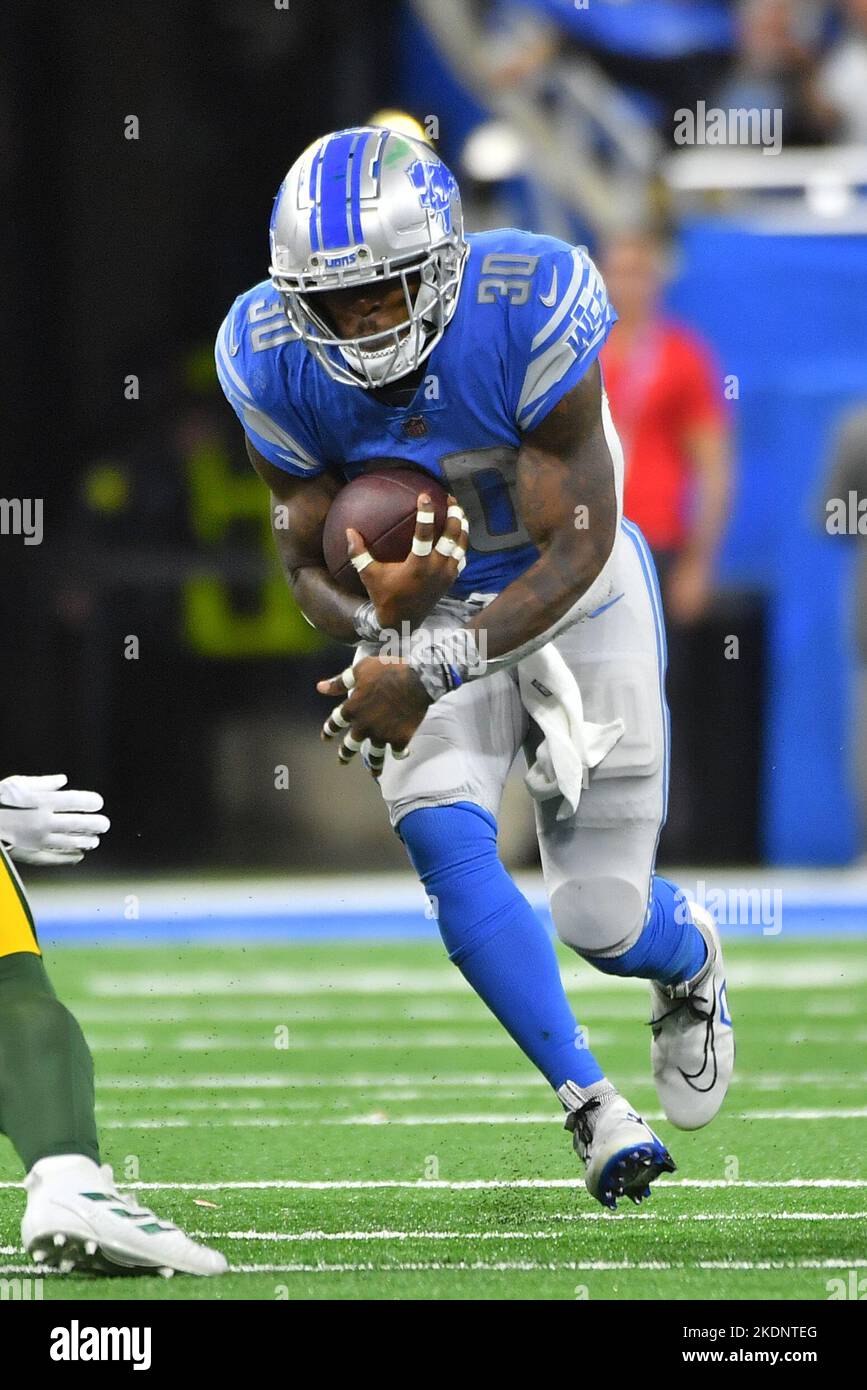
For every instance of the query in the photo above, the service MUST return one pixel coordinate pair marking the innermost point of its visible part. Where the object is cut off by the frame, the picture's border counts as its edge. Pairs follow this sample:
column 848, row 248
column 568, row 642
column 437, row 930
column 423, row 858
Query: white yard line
column 575, row 1266
column 380, row 1118
column 301, row 1236
column 853, row 1113
column 397, row 1095
column 293, row 1237
column 114, row 1109
column 335, row 1121
column 353, row 980
column 487, row 1039
column 334, row 1081
column 713, row 1216
column 505, row 1266
column 361, row 1236
column 837, row 1037
column 385, row 1090
column 471, row 1184
column 467, row 1010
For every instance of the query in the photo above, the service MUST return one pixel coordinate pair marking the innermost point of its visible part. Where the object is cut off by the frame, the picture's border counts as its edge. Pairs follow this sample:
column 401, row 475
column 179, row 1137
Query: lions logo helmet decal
column 436, row 186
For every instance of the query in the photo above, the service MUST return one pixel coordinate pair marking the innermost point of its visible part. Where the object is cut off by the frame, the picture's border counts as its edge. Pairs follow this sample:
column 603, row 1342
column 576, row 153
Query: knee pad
column 669, row 948
column 599, row 915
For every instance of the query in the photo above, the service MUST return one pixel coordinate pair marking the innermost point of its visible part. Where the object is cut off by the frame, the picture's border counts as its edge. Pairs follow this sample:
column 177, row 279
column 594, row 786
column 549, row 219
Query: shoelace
column 705, row 1016
column 578, row 1122
column 688, row 1003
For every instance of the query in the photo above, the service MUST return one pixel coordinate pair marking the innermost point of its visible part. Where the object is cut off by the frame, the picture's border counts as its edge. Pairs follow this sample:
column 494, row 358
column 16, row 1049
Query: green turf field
column 345, row 1121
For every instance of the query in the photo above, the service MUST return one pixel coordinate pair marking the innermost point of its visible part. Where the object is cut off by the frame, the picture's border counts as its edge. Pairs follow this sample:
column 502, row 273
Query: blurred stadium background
column 556, row 116
column 120, row 260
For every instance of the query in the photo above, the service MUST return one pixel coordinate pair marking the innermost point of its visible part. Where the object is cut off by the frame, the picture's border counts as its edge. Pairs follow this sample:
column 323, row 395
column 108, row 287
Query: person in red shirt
column 666, row 396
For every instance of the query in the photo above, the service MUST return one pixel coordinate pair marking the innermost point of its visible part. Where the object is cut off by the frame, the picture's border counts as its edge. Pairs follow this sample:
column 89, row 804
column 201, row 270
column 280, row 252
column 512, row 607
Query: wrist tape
column 366, row 622
column 443, row 661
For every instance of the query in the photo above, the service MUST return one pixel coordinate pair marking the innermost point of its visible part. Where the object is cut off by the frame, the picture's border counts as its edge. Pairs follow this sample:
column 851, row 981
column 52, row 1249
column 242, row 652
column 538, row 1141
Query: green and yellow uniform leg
column 46, row 1070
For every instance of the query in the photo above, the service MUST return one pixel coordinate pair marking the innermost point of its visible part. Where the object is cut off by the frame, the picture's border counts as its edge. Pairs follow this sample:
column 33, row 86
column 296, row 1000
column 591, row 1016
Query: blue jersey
column 531, row 318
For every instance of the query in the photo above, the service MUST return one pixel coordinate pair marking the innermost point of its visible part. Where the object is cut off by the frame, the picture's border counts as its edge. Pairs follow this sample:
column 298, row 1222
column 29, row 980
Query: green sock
column 46, row 1070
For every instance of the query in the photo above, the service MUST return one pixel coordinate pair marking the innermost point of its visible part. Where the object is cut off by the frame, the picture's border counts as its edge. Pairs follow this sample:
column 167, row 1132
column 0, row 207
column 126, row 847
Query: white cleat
column 621, row 1154
column 693, row 1047
column 76, row 1219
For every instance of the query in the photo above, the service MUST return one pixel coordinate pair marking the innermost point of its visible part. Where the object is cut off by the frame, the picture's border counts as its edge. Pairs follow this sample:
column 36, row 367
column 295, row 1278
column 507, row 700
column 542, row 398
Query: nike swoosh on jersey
column 550, row 299
column 234, row 347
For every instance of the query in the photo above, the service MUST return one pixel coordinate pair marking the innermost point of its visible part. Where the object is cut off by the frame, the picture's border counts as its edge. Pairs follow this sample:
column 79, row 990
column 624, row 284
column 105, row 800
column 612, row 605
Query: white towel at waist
column 571, row 744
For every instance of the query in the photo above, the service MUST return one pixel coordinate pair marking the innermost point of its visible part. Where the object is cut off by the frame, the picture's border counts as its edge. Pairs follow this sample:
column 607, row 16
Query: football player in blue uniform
column 385, row 331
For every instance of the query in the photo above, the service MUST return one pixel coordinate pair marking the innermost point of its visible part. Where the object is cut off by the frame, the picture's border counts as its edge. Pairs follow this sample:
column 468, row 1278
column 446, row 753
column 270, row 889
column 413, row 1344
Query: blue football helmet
column 359, row 206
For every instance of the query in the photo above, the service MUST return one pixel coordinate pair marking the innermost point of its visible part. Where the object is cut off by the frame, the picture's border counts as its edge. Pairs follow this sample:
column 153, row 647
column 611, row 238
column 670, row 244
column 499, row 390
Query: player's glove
column 42, row 824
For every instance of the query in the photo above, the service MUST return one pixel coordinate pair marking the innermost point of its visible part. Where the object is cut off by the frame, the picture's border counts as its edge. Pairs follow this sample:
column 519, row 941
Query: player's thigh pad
column 598, row 864
column 618, row 659
column 461, row 751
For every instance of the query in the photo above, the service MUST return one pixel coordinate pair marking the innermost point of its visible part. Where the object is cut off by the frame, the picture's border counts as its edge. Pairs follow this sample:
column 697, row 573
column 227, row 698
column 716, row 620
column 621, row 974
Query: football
column 381, row 505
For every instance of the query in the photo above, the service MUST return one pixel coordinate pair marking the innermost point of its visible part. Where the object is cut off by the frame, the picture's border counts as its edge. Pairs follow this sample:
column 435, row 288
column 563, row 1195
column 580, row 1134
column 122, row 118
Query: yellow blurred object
column 402, row 121
column 17, row 932
column 221, row 498
column 199, row 372
column 106, row 487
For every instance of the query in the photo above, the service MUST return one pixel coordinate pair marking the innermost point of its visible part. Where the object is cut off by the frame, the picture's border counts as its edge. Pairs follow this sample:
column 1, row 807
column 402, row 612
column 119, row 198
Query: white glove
column 40, row 824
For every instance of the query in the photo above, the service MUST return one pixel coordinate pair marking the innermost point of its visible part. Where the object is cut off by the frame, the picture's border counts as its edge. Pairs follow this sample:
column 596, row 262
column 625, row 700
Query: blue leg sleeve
column 670, row 949
column 495, row 938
